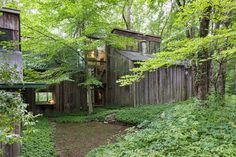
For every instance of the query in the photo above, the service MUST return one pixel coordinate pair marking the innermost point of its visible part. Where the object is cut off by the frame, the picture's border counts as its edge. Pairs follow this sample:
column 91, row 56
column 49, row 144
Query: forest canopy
column 57, row 35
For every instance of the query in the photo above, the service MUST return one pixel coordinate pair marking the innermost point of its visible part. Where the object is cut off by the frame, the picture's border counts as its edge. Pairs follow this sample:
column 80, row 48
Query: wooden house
column 107, row 63
column 160, row 86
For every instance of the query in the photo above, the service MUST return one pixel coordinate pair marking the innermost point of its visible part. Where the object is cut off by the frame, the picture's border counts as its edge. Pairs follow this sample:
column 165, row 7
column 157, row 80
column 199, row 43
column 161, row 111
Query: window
column 45, row 98
column 6, row 35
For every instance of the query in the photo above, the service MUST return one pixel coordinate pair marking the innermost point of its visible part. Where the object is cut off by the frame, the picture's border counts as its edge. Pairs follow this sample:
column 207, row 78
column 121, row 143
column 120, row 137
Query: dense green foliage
column 182, row 130
column 179, row 129
column 13, row 114
column 125, row 114
column 40, row 144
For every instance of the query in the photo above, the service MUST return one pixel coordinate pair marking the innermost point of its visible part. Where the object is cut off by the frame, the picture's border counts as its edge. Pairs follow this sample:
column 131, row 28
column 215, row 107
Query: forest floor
column 77, row 139
column 177, row 129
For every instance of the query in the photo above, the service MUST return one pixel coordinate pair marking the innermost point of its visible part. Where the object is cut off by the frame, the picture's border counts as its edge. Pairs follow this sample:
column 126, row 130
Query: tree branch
column 54, row 39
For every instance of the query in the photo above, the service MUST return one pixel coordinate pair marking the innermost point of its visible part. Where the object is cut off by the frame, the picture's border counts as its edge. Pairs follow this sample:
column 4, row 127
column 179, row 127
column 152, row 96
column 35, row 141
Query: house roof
column 136, row 35
column 23, row 85
column 8, row 10
column 135, row 56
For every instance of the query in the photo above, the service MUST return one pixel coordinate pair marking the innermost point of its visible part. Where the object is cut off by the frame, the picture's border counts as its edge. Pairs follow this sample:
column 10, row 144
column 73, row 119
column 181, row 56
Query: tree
column 201, row 49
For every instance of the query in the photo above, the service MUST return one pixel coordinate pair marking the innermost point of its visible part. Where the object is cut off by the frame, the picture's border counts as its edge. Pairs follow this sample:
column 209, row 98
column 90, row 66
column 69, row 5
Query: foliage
column 8, row 73
column 98, row 114
column 40, row 144
column 54, row 49
column 91, row 81
column 183, row 130
column 13, row 113
column 127, row 115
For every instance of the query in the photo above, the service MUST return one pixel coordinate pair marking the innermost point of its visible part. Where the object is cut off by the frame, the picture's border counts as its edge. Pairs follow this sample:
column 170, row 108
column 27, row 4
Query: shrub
column 12, row 114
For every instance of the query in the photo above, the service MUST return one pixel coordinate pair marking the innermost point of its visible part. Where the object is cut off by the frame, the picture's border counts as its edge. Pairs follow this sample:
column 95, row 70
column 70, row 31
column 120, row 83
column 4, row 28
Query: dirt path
column 77, row 139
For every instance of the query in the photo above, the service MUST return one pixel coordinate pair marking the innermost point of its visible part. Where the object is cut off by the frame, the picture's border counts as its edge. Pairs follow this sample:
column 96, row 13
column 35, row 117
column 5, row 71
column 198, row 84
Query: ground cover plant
column 40, row 144
column 178, row 129
column 126, row 115
column 182, row 130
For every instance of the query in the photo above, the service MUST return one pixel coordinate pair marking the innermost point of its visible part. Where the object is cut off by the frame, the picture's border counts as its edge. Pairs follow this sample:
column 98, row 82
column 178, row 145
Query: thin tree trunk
column 88, row 88
column 89, row 100
column 127, row 18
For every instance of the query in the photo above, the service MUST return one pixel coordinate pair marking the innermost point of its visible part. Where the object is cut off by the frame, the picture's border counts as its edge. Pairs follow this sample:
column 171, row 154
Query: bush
column 12, row 114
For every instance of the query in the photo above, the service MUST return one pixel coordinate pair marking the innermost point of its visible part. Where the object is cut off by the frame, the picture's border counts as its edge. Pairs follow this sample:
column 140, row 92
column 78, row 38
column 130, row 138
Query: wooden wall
column 69, row 97
column 161, row 86
column 11, row 21
column 117, row 66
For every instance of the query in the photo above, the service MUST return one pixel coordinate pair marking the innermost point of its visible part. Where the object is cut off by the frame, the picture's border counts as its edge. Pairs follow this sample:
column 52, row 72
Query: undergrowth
column 127, row 115
column 185, row 129
column 40, row 144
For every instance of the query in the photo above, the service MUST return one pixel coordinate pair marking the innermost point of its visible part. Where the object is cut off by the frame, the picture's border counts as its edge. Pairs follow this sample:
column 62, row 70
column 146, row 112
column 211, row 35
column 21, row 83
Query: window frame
column 48, row 98
column 9, row 36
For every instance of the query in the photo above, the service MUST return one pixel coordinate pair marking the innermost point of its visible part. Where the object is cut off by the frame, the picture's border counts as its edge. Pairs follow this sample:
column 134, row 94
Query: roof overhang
column 24, row 85
column 135, row 56
column 8, row 10
column 136, row 35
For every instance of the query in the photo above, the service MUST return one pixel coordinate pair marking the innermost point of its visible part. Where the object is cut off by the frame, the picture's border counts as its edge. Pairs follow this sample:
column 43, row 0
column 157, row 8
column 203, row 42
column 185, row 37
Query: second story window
column 6, row 38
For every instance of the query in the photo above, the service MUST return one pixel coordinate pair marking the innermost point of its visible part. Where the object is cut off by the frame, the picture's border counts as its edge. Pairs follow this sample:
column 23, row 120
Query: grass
column 184, row 129
column 41, row 143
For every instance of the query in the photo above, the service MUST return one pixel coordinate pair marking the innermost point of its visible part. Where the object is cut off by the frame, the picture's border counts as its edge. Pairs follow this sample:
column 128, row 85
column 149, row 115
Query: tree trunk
column 89, row 100
column 221, row 78
column 127, row 18
column 235, row 78
column 203, row 65
column 88, row 87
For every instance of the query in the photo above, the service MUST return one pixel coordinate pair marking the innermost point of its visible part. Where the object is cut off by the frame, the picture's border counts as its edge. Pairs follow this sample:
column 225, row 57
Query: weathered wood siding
column 160, row 86
column 69, row 97
column 164, row 85
column 11, row 21
column 117, row 66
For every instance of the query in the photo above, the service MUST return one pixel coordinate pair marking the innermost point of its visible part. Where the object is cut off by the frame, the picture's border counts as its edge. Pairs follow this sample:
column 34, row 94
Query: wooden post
column 88, row 87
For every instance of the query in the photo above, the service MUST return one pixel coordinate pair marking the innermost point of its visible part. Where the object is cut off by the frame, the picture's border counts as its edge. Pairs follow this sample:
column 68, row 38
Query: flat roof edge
column 23, row 85
column 134, row 32
column 9, row 10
